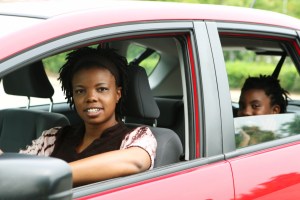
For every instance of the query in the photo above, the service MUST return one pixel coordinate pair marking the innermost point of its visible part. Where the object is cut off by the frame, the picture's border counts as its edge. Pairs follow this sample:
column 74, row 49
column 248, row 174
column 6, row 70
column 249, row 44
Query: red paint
column 296, row 46
column 267, row 174
column 195, row 96
column 257, row 36
column 66, row 24
column 196, row 183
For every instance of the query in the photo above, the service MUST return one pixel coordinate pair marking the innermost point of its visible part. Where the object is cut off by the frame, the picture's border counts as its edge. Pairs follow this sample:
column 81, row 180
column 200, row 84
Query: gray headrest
column 30, row 81
column 139, row 101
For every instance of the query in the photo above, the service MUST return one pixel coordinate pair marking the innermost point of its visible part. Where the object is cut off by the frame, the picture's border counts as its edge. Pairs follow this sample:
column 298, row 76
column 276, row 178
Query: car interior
column 19, row 126
column 158, row 95
column 281, row 53
column 154, row 99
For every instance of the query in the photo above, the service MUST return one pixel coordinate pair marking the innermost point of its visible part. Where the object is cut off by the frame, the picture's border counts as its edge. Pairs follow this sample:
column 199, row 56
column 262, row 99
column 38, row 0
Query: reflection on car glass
column 263, row 128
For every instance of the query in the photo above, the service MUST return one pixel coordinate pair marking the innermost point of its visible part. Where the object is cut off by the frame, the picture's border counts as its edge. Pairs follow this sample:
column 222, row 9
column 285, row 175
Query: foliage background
column 289, row 7
column 289, row 77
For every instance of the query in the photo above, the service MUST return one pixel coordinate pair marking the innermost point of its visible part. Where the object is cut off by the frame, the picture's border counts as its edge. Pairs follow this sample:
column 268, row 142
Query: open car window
column 145, row 57
column 169, row 99
column 251, row 56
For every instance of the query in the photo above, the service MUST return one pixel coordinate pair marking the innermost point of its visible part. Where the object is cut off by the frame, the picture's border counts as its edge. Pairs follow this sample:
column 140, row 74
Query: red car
column 196, row 58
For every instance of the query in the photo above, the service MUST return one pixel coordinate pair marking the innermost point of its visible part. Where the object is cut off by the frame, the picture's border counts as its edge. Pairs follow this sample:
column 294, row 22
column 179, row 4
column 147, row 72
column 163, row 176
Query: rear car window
column 149, row 63
column 251, row 57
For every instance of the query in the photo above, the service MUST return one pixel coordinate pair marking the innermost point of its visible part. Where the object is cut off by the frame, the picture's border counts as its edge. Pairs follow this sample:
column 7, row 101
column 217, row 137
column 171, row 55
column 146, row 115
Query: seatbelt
column 142, row 57
column 276, row 72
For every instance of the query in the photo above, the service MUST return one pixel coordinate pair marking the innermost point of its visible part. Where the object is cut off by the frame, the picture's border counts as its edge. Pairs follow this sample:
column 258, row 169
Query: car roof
column 44, row 9
column 68, row 16
column 148, row 10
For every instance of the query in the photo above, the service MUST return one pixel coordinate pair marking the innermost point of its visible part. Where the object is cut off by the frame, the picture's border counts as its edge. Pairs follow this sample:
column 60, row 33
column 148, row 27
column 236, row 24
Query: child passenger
column 261, row 96
column 94, row 82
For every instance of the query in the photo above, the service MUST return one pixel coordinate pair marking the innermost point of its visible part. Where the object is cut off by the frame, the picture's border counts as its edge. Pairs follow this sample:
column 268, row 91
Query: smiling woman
column 94, row 81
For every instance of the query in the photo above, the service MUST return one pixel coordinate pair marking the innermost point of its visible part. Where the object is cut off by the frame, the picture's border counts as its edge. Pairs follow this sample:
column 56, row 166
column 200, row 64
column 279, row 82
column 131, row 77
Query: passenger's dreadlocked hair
column 87, row 57
column 272, row 88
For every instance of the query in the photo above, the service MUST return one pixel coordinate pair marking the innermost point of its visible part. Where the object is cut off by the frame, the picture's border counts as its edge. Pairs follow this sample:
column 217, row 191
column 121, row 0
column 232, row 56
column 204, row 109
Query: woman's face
column 256, row 102
column 95, row 96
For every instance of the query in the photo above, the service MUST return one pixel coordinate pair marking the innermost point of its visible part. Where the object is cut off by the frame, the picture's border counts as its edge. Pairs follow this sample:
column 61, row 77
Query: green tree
column 288, row 7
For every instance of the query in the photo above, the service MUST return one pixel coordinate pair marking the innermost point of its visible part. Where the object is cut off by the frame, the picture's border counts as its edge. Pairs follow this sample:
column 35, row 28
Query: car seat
column 19, row 126
column 141, row 109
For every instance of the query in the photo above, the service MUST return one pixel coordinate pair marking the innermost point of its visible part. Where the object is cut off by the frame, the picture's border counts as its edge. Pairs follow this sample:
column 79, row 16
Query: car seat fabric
column 140, row 104
column 172, row 116
column 18, row 127
column 30, row 81
column 139, row 100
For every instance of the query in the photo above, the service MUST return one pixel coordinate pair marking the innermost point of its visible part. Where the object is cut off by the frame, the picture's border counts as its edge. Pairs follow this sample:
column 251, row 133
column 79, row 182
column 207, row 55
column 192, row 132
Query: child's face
column 256, row 102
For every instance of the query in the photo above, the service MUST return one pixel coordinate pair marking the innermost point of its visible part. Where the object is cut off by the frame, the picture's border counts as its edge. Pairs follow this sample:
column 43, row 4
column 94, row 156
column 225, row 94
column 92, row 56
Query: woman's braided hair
column 88, row 57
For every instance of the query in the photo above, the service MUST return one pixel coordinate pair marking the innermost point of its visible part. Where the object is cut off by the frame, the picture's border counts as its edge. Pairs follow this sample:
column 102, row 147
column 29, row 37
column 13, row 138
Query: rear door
column 268, row 166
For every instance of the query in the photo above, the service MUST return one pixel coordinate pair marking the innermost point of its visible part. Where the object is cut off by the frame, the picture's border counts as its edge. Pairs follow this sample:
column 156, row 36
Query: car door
column 203, row 168
column 268, row 168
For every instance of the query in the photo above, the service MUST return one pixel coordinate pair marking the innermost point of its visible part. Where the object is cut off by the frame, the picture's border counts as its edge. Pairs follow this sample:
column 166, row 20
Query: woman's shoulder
column 52, row 131
column 141, row 137
column 142, row 129
column 141, row 133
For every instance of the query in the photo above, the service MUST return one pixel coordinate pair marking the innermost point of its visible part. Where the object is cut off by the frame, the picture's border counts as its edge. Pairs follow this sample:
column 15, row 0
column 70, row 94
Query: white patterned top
column 140, row 137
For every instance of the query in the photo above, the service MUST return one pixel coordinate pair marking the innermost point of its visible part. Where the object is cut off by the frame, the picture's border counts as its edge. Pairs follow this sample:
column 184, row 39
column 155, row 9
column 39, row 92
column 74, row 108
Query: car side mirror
column 34, row 177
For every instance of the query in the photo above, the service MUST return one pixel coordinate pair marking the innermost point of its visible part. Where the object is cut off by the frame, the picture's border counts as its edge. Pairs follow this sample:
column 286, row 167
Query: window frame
column 84, row 37
column 263, row 31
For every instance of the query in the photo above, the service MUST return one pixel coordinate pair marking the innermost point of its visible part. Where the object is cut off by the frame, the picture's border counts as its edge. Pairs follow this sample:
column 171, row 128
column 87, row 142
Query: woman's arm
column 136, row 154
column 110, row 165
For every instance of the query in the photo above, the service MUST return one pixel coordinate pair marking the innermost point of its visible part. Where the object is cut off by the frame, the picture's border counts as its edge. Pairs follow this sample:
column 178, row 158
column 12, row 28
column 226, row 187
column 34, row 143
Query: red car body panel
column 268, row 174
column 196, row 183
column 243, row 178
column 195, row 96
column 138, row 12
